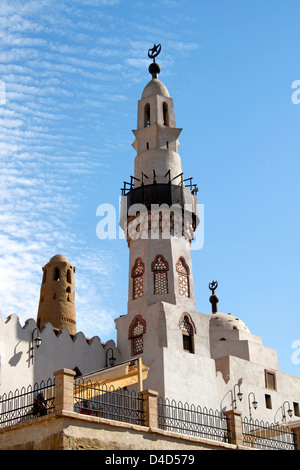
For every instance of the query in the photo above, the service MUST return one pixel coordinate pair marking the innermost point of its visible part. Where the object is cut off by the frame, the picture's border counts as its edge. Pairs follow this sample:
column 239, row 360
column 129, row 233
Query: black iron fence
column 27, row 403
column 192, row 420
column 98, row 399
column 265, row 436
column 158, row 194
column 102, row 400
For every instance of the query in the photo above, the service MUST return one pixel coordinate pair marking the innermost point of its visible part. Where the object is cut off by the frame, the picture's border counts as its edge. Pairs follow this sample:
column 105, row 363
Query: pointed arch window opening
column 147, row 115
column 165, row 114
column 137, row 330
column 187, row 328
column 56, row 274
column 137, row 275
column 183, row 277
column 160, row 268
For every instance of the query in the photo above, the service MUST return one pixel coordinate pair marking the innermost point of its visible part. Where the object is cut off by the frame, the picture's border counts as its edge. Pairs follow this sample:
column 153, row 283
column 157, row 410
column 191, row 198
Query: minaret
column 57, row 297
column 159, row 216
column 159, row 207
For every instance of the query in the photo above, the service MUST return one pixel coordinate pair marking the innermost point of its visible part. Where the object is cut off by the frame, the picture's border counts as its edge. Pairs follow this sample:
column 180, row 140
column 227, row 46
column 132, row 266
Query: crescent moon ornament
column 152, row 53
column 213, row 285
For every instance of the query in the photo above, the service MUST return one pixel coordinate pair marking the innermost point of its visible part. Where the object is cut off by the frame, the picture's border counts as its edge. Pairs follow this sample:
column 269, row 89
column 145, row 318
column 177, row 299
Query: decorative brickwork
column 136, row 333
column 183, row 277
column 160, row 269
column 138, row 279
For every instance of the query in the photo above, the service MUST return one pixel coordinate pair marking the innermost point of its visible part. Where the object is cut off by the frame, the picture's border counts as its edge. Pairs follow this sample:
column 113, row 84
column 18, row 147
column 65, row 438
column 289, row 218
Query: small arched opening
column 137, row 330
column 147, row 115
column 56, row 274
column 165, row 114
column 188, row 331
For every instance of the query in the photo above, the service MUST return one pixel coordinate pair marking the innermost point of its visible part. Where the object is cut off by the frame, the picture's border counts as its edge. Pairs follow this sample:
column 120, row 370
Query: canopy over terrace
column 120, row 376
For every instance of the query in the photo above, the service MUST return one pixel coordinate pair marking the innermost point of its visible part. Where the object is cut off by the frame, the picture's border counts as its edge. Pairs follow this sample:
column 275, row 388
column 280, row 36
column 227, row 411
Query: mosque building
column 209, row 360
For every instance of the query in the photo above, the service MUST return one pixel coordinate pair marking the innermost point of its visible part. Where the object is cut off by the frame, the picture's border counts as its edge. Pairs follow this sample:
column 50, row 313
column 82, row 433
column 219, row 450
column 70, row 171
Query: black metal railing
column 192, row 420
column 27, row 403
column 158, row 194
column 101, row 400
column 265, row 436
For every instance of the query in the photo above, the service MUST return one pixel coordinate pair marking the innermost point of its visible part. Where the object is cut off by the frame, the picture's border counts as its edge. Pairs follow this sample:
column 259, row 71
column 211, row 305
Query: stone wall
column 22, row 363
column 71, row 431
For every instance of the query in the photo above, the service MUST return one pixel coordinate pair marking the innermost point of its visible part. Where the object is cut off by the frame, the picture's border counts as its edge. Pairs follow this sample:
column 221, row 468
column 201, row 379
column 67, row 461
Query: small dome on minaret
column 57, row 298
column 155, row 86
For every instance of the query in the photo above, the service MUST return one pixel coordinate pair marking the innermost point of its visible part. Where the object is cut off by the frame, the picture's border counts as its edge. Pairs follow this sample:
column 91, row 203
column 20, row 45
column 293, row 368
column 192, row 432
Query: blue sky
column 72, row 72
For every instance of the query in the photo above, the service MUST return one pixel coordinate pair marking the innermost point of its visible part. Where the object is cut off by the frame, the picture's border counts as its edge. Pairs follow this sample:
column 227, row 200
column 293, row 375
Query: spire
column 154, row 68
column 214, row 299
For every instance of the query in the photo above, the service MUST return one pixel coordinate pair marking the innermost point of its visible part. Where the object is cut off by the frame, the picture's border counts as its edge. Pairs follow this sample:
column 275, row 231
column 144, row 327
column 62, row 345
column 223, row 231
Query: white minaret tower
column 159, row 216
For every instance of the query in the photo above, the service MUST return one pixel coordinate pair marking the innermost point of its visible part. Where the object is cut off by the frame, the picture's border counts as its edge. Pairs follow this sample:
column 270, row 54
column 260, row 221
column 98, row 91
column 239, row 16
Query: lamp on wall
column 239, row 395
column 254, row 403
column 112, row 359
column 289, row 411
column 36, row 341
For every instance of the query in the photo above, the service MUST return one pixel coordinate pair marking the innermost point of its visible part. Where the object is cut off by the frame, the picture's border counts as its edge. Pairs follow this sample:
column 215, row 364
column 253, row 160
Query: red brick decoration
column 160, row 268
column 183, row 277
column 136, row 333
column 138, row 279
column 187, row 327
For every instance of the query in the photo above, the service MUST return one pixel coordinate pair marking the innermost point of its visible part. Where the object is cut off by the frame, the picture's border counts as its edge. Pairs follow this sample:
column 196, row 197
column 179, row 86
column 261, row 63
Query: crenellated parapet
column 29, row 354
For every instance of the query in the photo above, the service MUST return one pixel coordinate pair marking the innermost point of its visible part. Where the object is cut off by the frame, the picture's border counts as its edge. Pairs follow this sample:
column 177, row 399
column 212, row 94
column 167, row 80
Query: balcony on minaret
column 158, row 196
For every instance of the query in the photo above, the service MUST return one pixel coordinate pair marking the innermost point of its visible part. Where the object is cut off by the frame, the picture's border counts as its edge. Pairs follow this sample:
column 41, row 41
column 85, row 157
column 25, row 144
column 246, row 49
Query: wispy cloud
column 67, row 67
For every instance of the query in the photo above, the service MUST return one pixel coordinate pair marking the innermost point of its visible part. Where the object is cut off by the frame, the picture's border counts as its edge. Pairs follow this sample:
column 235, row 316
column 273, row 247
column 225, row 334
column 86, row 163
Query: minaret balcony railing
column 166, row 194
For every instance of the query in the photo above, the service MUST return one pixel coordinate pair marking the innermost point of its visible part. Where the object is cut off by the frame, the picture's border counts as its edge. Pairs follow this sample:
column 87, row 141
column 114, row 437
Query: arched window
column 69, row 276
column 188, row 330
column 165, row 114
column 183, row 277
column 147, row 115
column 160, row 268
column 56, row 274
column 138, row 279
column 136, row 333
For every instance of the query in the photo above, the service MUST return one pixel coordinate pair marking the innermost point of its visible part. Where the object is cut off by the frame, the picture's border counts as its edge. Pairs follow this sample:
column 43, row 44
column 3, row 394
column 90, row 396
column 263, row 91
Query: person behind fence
column 39, row 407
column 85, row 410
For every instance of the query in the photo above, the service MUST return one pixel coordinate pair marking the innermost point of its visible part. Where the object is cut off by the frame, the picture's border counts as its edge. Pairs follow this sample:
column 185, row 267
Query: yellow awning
column 120, row 376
